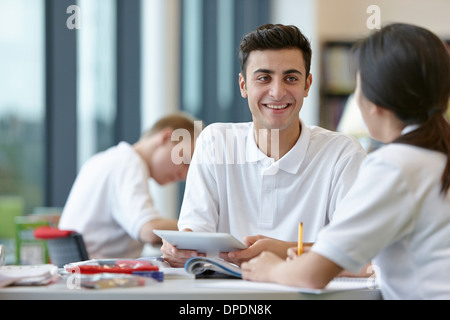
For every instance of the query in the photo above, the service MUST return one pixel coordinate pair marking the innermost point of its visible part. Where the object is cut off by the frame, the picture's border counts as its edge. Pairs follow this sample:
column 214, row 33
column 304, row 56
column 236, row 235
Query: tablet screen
column 207, row 242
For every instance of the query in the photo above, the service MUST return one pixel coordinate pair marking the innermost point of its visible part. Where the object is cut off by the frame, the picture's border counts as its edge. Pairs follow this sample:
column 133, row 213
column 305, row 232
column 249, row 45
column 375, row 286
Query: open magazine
column 204, row 267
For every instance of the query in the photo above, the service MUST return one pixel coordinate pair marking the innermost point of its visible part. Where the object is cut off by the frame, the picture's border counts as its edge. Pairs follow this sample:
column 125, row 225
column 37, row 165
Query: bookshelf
column 338, row 81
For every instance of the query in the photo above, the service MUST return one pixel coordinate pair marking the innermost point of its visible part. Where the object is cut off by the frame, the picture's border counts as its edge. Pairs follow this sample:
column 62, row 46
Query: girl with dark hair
column 412, row 80
column 397, row 214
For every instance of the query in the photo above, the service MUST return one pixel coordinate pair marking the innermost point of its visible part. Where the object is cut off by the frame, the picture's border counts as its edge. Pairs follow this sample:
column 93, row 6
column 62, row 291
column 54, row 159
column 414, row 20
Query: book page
column 338, row 284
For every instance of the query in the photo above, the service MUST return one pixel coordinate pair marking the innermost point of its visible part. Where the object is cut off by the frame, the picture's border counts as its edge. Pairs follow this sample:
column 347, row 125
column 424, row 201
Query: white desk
column 177, row 288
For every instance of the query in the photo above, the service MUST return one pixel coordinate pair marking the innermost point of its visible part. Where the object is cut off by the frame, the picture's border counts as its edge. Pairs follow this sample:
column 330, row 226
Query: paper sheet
column 338, row 284
column 27, row 275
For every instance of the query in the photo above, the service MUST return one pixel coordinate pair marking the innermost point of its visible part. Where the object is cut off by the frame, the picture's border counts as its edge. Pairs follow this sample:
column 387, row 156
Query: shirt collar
column 409, row 128
column 291, row 161
column 253, row 153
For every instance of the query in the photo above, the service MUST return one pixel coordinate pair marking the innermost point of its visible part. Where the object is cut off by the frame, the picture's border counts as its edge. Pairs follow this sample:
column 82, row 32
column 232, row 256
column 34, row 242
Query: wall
column 346, row 19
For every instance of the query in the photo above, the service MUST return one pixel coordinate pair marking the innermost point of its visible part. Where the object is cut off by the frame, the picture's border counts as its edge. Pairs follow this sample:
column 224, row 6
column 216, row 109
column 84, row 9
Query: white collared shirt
column 396, row 215
column 233, row 187
column 110, row 202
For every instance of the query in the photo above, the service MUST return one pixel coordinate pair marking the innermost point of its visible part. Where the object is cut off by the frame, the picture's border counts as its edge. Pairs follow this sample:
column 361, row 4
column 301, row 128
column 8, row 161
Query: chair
column 64, row 246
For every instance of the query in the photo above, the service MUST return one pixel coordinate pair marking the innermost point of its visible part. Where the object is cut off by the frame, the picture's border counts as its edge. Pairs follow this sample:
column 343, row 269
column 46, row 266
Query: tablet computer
column 206, row 242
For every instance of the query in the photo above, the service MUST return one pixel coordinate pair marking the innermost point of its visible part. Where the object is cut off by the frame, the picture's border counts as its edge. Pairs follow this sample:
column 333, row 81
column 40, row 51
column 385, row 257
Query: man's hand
column 256, row 245
column 177, row 257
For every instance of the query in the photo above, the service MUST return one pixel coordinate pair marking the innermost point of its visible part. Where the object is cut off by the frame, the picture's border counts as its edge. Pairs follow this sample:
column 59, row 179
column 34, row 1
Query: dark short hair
column 274, row 37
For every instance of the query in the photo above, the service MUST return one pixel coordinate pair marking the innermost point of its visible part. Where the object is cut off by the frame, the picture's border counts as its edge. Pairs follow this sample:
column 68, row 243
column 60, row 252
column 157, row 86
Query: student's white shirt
column 233, row 187
column 396, row 215
column 109, row 203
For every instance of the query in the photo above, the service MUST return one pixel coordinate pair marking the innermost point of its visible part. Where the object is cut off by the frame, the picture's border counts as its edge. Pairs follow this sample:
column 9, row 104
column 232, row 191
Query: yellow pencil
column 300, row 239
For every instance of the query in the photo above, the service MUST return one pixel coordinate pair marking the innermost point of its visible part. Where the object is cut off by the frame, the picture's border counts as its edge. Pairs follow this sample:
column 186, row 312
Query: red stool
column 64, row 246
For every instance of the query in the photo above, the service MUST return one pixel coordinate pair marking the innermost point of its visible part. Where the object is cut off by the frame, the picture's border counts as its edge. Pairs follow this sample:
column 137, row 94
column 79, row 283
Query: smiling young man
column 275, row 83
column 258, row 180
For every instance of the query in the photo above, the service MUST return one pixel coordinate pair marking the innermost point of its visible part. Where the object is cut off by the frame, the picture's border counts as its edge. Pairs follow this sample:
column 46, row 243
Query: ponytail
column 433, row 134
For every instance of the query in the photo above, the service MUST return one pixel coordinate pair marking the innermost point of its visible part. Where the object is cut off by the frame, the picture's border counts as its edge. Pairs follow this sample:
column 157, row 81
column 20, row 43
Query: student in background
column 397, row 214
column 256, row 180
column 110, row 202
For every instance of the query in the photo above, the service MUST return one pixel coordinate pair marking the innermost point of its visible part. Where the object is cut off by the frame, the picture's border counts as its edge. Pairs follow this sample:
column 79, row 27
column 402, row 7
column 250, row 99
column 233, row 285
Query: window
column 22, row 111
column 96, row 81
column 210, row 35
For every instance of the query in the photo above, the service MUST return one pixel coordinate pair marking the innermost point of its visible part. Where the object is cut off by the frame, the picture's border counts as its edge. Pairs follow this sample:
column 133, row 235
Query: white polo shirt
column 109, row 203
column 233, row 187
column 395, row 215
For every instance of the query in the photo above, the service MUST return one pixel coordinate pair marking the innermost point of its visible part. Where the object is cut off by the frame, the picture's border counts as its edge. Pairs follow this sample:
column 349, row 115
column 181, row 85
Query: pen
column 300, row 239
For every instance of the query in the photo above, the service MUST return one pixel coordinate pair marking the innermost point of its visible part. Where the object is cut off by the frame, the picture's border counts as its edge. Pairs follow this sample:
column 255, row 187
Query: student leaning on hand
column 110, row 202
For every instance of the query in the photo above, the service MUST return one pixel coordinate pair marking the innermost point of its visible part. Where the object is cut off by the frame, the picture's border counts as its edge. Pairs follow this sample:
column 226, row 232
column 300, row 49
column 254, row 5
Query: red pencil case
column 111, row 266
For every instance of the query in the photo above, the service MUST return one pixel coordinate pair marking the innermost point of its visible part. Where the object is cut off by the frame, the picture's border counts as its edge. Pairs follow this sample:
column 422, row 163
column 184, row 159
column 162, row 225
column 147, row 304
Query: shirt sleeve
column 377, row 211
column 200, row 208
column 344, row 175
column 133, row 205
